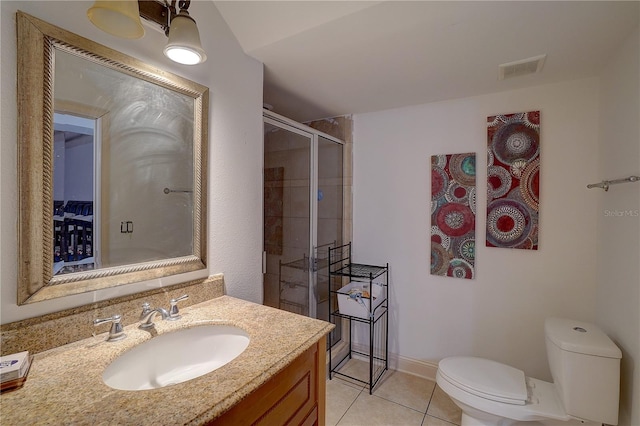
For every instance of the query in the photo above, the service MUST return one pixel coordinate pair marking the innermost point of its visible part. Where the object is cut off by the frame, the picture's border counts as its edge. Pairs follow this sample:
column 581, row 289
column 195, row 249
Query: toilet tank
column 585, row 365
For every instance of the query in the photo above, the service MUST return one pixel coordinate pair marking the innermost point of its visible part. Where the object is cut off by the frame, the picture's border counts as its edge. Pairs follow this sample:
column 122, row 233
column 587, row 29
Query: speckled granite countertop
column 65, row 384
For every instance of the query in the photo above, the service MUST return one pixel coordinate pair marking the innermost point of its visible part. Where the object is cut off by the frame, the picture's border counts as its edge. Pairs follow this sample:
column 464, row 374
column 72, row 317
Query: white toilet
column 584, row 363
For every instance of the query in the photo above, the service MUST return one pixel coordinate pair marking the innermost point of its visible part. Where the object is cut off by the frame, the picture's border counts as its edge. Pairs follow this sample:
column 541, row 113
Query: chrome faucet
column 173, row 310
column 116, row 332
column 147, row 315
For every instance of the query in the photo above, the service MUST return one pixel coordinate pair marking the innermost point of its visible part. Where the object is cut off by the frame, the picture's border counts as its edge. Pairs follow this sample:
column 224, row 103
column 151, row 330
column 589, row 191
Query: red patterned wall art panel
column 453, row 215
column 513, row 180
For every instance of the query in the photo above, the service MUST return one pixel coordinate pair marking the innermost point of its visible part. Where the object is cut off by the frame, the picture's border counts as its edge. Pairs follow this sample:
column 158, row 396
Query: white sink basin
column 176, row 357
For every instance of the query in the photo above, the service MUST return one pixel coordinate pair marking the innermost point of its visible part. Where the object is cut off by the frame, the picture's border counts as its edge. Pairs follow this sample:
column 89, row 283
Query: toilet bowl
column 496, row 393
column 585, row 365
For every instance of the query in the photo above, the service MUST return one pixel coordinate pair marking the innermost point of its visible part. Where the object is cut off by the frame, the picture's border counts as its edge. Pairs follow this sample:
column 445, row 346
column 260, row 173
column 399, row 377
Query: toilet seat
column 469, row 382
column 485, row 378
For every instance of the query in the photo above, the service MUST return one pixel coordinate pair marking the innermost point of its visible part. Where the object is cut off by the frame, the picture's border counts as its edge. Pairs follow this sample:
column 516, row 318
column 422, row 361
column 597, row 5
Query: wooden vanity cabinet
column 294, row 396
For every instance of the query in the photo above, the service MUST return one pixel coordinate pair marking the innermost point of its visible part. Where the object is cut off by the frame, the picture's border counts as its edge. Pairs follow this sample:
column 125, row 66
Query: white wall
column 499, row 314
column 235, row 138
column 618, row 219
column 76, row 186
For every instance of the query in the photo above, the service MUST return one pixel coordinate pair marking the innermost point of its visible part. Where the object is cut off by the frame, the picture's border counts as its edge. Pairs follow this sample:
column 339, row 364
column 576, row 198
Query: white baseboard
column 425, row 369
column 420, row 368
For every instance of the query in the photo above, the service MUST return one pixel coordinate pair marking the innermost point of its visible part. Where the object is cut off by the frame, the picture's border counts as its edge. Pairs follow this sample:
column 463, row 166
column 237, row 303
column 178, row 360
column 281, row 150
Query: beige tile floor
column 399, row 399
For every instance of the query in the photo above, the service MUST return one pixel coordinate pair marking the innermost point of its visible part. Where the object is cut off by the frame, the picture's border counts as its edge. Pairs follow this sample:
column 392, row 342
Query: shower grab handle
column 169, row 191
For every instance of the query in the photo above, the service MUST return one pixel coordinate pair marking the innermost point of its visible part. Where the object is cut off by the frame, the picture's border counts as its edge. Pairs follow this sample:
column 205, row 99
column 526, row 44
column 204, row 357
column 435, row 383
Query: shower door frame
column 285, row 123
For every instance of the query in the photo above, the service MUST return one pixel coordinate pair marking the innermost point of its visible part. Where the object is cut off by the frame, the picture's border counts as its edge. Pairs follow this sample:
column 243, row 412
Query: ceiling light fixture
column 122, row 19
column 118, row 18
column 184, row 39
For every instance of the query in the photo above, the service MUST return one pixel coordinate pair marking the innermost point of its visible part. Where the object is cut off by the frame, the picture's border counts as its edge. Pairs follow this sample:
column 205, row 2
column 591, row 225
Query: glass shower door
column 287, row 217
column 329, row 214
column 303, row 211
column 329, row 220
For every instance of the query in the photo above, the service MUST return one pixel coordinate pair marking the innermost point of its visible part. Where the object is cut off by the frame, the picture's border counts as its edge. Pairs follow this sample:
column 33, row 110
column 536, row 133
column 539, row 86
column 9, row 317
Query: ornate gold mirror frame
column 37, row 43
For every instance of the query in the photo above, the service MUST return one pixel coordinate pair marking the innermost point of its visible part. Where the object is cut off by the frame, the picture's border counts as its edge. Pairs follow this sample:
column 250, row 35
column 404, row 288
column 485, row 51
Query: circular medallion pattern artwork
column 513, row 180
column 472, row 200
column 508, row 223
column 499, row 182
column 459, row 268
column 439, row 237
column 517, row 167
column 490, row 157
column 439, row 182
column 515, row 141
column 457, row 193
column 532, row 119
column 530, row 184
column 463, row 169
column 453, row 207
column 513, row 195
column 439, row 161
column 440, row 258
column 465, row 247
column 455, row 219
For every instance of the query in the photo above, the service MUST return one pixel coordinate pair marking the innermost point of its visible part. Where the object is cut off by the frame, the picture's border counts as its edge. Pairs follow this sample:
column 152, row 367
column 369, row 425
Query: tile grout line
column 390, row 401
column 436, row 417
column 446, row 421
column 349, row 408
column 400, row 404
column 426, row 410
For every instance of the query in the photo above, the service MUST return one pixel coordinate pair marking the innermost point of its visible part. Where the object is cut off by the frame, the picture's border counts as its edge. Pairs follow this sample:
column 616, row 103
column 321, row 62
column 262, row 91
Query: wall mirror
column 111, row 168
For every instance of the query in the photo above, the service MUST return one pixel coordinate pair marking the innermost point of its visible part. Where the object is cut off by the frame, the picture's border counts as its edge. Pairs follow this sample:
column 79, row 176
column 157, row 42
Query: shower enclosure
column 303, row 215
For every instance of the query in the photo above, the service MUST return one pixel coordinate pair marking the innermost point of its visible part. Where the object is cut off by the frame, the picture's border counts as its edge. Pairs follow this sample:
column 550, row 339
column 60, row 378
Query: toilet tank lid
column 580, row 337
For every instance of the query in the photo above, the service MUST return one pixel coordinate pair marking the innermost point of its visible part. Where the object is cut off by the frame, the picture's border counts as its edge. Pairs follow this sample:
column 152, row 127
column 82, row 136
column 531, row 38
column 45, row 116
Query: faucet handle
column 146, row 308
column 173, row 310
column 116, row 332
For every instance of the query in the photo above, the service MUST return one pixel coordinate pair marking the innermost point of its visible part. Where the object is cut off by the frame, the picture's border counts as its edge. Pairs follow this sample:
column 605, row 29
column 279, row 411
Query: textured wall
column 619, row 219
column 499, row 314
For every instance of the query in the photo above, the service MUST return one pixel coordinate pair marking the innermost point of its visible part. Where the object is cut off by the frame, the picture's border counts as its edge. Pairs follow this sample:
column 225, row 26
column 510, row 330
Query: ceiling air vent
column 521, row 67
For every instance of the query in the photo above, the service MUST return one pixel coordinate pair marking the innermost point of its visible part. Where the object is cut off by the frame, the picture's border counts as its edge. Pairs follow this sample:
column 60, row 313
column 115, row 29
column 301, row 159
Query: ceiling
column 330, row 58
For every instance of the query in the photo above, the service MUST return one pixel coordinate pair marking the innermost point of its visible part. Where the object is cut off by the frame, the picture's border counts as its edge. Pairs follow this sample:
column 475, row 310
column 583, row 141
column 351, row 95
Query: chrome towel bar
column 605, row 183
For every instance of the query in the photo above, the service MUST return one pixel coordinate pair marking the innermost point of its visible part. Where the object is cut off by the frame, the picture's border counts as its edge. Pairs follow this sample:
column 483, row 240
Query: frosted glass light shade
column 118, row 18
column 184, row 41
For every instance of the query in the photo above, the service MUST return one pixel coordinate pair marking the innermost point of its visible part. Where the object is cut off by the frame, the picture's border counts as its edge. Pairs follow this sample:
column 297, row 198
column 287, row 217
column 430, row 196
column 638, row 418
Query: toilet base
column 467, row 420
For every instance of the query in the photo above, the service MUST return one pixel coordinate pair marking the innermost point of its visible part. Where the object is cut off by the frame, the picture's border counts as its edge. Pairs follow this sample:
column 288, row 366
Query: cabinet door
column 295, row 396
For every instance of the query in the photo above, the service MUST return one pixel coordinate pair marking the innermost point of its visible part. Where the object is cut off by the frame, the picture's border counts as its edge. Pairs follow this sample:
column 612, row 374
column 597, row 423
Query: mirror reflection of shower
column 102, row 188
column 144, row 144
